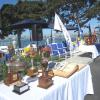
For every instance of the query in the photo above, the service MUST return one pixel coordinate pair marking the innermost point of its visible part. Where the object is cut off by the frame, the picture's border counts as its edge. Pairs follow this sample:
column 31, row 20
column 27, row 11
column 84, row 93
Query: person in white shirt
column 14, row 43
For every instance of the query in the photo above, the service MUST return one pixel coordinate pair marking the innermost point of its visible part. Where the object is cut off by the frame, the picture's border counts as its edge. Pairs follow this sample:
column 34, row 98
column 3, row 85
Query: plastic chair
column 7, row 56
column 60, row 45
column 62, row 50
column 55, row 53
column 57, row 50
column 54, row 46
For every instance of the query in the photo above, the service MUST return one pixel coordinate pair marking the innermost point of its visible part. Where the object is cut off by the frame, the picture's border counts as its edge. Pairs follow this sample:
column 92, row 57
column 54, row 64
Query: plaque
column 20, row 88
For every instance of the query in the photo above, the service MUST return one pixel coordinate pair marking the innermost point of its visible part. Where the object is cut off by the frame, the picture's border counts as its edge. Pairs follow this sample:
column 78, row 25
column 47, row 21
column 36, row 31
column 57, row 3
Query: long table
column 89, row 48
column 73, row 88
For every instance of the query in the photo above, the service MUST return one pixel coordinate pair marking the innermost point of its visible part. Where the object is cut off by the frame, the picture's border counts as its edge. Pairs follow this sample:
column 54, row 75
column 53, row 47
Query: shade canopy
column 30, row 23
column 27, row 23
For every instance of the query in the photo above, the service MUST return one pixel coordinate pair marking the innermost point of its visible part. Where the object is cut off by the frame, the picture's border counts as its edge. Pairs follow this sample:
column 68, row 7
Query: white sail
column 58, row 25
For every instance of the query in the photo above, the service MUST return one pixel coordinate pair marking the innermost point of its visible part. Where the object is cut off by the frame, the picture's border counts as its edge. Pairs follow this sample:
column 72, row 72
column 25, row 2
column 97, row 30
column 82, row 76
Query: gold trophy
column 32, row 71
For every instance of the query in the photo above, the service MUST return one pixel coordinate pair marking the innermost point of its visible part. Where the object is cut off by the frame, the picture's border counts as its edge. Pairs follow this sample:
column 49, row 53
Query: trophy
column 12, row 75
column 32, row 71
column 45, row 80
column 20, row 87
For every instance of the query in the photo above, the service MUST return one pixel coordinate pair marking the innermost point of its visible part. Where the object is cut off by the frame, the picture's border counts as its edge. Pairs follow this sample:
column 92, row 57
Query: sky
column 2, row 2
column 93, row 23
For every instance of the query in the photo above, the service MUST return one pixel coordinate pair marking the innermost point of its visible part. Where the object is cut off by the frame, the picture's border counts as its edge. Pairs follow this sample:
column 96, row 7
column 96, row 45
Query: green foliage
column 37, row 58
column 4, row 70
column 26, row 59
column 36, row 10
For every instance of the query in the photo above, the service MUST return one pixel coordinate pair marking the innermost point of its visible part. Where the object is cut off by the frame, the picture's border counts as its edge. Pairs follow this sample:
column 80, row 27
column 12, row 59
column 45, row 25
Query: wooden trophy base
column 32, row 72
column 45, row 82
column 11, row 78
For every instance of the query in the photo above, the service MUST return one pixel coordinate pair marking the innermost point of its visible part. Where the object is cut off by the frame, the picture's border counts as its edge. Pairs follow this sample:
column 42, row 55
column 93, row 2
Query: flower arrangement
column 90, row 40
column 32, row 53
column 27, row 49
column 29, row 52
column 46, row 51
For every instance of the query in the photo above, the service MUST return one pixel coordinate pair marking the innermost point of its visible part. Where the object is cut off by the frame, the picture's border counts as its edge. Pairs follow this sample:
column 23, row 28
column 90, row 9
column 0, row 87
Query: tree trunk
column 19, row 39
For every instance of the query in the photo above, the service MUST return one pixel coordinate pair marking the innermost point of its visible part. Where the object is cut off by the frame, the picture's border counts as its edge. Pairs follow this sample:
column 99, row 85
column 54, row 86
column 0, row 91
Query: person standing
column 14, row 43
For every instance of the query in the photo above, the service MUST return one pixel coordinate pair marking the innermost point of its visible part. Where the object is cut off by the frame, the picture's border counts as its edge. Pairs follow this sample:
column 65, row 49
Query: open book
column 67, row 70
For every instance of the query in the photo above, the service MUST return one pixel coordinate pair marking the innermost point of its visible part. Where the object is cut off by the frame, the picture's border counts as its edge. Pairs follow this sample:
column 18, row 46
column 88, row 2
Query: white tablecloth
column 73, row 88
column 89, row 48
column 80, row 84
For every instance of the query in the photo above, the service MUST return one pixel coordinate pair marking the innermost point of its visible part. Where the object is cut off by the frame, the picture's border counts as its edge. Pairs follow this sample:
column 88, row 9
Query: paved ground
column 95, row 70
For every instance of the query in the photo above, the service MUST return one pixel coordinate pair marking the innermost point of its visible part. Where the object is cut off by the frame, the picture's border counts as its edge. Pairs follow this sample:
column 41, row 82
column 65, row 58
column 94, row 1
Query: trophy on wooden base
column 32, row 71
column 45, row 81
column 20, row 87
column 11, row 78
column 14, row 66
column 12, row 75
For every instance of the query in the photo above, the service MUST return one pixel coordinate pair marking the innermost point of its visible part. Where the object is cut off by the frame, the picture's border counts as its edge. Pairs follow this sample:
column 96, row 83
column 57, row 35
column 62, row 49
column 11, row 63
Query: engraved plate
column 23, row 88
